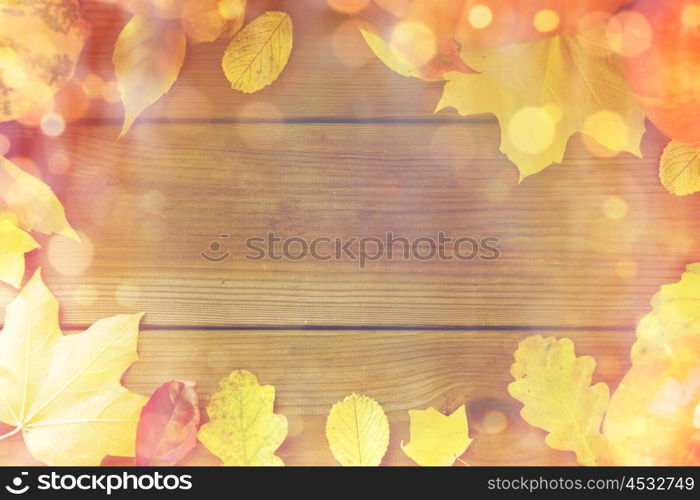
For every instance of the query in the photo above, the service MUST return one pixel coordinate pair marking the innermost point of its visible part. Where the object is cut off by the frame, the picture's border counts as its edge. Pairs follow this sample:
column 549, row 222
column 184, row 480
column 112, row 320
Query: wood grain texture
column 402, row 370
column 148, row 206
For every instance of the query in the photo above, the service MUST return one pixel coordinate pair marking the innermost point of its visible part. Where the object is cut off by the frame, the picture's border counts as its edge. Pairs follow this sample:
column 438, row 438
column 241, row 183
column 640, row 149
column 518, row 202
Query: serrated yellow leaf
column 555, row 389
column 437, row 439
column 358, row 431
column 14, row 243
column 147, row 59
column 243, row 429
column 680, row 169
column 544, row 92
column 32, row 202
column 63, row 392
column 675, row 314
column 259, row 52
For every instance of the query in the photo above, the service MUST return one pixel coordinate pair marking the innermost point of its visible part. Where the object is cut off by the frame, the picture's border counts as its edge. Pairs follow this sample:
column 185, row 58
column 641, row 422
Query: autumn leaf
column 167, row 429
column 680, row 169
column 357, row 431
column 259, row 52
column 32, row 202
column 14, row 243
column 675, row 314
column 555, row 389
column 210, row 25
column 147, row 59
column 243, row 429
column 544, row 92
column 63, row 392
column 412, row 51
column 437, row 439
column 654, row 414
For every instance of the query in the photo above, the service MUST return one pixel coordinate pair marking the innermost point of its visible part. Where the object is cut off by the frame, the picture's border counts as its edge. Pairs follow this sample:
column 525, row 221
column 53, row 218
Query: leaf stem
column 11, row 433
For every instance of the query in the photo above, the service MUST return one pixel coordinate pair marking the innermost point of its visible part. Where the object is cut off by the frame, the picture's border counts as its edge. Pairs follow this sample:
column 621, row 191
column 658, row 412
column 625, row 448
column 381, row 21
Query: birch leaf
column 675, row 314
column 243, row 429
column 358, row 431
column 14, row 243
column 680, row 169
column 32, row 202
column 63, row 392
column 555, row 389
column 437, row 439
column 259, row 52
column 544, row 92
column 147, row 59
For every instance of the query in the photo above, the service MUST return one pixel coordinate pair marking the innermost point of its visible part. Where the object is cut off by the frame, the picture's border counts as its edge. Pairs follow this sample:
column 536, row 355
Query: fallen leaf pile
column 151, row 49
column 651, row 418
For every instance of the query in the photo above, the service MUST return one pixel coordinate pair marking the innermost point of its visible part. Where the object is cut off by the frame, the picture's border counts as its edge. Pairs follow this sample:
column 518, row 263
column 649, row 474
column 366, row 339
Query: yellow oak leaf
column 63, row 392
column 14, row 243
column 259, row 52
column 544, row 92
column 358, row 431
column 243, row 429
column 555, row 389
column 675, row 314
column 436, row 439
column 32, row 202
column 680, row 169
column 147, row 59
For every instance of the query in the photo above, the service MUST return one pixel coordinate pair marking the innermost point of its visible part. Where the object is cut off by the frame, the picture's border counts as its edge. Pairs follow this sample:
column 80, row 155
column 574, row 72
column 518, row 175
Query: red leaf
column 168, row 426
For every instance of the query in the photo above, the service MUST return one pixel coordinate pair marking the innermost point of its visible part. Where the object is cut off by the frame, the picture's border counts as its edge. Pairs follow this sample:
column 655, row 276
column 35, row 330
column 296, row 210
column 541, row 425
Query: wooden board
column 149, row 204
column 402, row 370
column 344, row 150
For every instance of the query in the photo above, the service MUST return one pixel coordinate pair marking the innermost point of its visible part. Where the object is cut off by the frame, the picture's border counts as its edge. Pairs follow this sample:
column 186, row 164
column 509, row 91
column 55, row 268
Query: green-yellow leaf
column 14, row 243
column 358, row 431
column 555, row 389
column 437, row 439
column 63, row 392
column 675, row 313
column 383, row 50
column 259, row 52
column 147, row 59
column 32, row 202
column 680, row 169
column 544, row 92
column 243, row 429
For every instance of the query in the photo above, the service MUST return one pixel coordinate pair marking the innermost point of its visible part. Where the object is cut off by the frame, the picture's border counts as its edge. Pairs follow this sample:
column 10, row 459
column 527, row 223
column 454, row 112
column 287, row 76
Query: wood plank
column 402, row 370
column 150, row 204
column 331, row 73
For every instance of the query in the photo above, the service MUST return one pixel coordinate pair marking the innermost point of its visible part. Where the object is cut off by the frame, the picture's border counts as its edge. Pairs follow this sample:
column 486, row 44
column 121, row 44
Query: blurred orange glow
column 348, row 6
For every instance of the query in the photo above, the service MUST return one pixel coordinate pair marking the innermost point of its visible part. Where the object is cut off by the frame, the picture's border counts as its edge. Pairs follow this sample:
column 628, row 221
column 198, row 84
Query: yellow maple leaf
column 357, row 431
column 14, row 243
column 680, row 169
column 545, row 91
column 675, row 314
column 259, row 52
column 437, row 439
column 32, row 202
column 243, row 429
column 555, row 389
column 63, row 392
column 147, row 59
